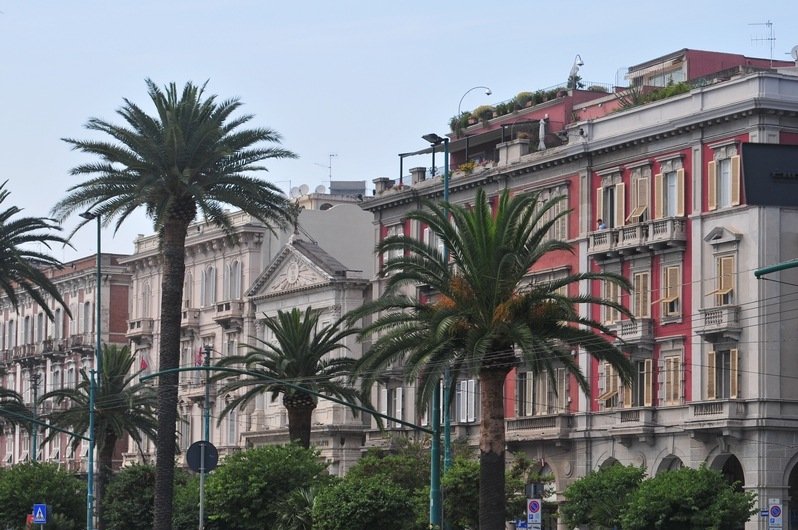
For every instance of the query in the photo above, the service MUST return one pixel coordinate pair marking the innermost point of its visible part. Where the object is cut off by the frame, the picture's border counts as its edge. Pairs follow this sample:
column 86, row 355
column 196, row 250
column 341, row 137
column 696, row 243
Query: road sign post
column 533, row 515
column 775, row 515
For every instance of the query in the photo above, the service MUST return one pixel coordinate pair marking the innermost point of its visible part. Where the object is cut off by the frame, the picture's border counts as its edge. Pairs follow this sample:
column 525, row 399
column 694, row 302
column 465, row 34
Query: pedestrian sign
column 39, row 514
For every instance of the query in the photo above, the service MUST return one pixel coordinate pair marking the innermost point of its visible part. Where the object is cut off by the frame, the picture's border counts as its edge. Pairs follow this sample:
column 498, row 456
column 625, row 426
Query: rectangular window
column 608, row 385
column 639, row 392
column 669, row 194
column 466, row 400
column 610, row 201
column 641, row 305
column 722, row 374
column 671, row 290
column 723, row 182
column 673, row 381
column 557, row 213
column 393, row 231
column 526, row 394
column 724, row 280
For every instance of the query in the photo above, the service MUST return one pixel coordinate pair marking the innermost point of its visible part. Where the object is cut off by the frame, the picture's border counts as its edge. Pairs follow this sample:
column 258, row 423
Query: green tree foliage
column 24, row 485
column 408, row 467
column 460, row 486
column 364, row 502
column 481, row 316
column 124, row 407
column 21, row 265
column 192, row 156
column 599, row 498
column 246, row 491
column 131, row 495
column 300, row 353
column 691, row 499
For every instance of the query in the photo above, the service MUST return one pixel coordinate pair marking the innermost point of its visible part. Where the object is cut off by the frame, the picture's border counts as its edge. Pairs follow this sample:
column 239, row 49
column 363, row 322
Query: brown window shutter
column 711, row 384
column 735, row 180
column 599, row 206
column 647, row 383
column 659, row 194
column 712, row 186
column 680, row 192
column 733, row 371
column 627, row 396
column 620, row 204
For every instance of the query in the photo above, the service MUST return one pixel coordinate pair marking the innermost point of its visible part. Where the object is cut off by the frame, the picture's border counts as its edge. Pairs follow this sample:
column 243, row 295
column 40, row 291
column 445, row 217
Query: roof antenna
column 771, row 38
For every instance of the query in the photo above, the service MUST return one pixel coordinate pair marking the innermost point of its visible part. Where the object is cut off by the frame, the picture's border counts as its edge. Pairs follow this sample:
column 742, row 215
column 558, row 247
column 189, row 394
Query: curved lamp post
column 93, row 381
column 488, row 92
column 574, row 70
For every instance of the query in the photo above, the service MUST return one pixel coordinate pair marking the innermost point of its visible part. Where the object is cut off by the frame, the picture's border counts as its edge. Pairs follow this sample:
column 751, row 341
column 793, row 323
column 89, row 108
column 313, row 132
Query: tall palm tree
column 21, row 264
column 124, row 407
column 192, row 156
column 477, row 313
column 298, row 355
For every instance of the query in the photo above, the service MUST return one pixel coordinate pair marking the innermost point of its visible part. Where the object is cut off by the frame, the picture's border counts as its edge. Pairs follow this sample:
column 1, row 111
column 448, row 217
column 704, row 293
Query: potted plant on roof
column 523, row 99
column 458, row 123
column 483, row 112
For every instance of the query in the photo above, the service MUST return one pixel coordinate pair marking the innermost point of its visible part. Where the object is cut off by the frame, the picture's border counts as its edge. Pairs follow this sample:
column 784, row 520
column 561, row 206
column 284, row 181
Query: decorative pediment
column 723, row 238
column 295, row 272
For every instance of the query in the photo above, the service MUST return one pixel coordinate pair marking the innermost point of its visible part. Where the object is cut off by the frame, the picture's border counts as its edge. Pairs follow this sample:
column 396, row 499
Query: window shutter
column 659, row 194
column 680, row 192
column 463, row 401
column 398, row 404
column 734, row 358
column 529, row 406
column 647, row 383
column 599, row 205
column 669, row 380
column 627, row 396
column 712, row 186
column 642, row 192
column 471, row 400
column 383, row 401
column 620, row 203
column 735, row 180
column 711, row 384
column 425, row 235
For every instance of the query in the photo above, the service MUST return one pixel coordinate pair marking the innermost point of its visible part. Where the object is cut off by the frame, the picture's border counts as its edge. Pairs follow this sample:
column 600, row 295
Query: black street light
column 97, row 369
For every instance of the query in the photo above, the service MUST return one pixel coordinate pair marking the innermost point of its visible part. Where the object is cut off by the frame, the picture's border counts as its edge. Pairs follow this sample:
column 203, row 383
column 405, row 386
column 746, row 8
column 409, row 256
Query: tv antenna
column 771, row 37
column 328, row 166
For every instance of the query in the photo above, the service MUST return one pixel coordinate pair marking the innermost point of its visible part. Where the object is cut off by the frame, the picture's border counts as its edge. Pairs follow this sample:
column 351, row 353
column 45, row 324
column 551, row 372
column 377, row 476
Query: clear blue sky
column 361, row 79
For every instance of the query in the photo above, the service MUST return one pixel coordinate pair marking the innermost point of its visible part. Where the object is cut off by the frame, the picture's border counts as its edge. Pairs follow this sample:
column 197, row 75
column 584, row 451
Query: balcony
column 637, row 237
column 634, row 424
column 638, row 333
column 24, row 350
column 194, row 389
column 550, row 427
column 229, row 313
column 189, row 319
column 710, row 418
column 719, row 323
column 140, row 330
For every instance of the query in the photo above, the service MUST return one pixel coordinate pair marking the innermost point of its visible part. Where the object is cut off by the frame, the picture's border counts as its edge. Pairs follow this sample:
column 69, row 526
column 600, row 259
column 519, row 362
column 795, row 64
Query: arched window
column 145, row 300
column 188, row 284
column 232, row 427
column 58, row 325
column 232, row 281
column 208, row 293
column 87, row 313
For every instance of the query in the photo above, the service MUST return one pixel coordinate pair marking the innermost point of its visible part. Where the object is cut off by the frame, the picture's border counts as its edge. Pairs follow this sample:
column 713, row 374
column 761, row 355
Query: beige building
column 219, row 312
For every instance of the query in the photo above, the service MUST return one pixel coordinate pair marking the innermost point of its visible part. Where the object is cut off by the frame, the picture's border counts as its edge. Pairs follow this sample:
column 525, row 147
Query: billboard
column 770, row 174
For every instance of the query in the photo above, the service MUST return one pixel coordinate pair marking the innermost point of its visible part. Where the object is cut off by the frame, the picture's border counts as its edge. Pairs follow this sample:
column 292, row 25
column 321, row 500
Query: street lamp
column 93, row 381
column 435, row 453
column 572, row 81
column 488, row 92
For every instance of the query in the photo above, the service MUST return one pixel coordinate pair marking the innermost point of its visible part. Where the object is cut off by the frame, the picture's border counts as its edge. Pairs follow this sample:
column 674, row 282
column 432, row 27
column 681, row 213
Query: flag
column 198, row 359
column 143, row 365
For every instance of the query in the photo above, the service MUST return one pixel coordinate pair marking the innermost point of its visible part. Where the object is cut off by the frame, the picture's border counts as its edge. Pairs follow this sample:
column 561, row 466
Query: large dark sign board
column 770, row 174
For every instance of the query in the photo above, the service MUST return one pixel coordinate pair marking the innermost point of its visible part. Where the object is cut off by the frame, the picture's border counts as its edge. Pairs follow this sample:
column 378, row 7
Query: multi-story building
column 229, row 285
column 39, row 355
column 671, row 181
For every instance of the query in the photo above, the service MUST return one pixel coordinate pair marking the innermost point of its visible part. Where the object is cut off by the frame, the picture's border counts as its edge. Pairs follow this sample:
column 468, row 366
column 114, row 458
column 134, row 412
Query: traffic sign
column 39, row 514
column 533, row 511
column 521, row 525
column 194, row 456
column 775, row 514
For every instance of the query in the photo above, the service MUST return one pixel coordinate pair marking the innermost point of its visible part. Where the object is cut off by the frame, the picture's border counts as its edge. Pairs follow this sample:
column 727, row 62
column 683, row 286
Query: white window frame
column 723, row 373
column 723, row 173
column 641, row 296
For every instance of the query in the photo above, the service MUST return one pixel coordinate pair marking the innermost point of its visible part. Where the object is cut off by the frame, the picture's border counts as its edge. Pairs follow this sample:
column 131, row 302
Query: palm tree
column 479, row 314
column 300, row 356
column 191, row 157
column 13, row 409
column 21, row 266
column 124, row 407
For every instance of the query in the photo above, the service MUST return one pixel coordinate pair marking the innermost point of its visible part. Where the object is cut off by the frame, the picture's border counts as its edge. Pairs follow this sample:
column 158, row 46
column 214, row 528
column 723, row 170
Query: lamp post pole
column 436, row 511
column 95, row 374
column 206, row 434
column 34, row 383
column 488, row 92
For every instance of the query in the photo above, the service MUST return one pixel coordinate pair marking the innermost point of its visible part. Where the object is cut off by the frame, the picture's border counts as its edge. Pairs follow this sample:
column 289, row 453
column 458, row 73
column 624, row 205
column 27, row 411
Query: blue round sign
column 534, row 506
column 775, row 511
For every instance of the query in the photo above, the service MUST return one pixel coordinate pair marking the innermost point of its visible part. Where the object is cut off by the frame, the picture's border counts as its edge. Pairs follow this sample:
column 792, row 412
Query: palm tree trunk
column 106, row 461
column 299, row 424
column 173, row 239
column 491, row 449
